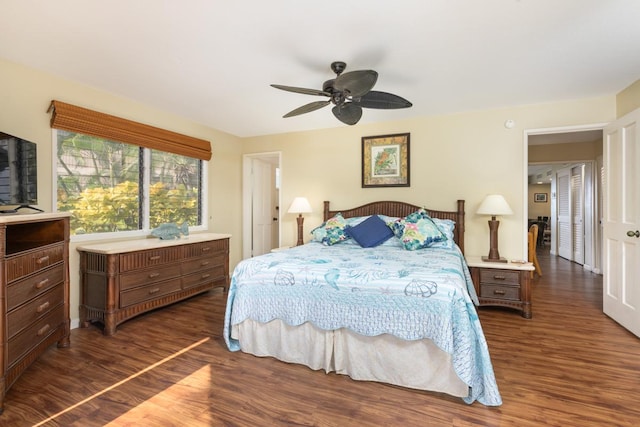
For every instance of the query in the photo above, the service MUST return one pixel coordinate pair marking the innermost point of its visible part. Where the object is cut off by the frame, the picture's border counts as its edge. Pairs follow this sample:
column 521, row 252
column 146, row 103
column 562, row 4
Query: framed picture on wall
column 385, row 161
column 540, row 197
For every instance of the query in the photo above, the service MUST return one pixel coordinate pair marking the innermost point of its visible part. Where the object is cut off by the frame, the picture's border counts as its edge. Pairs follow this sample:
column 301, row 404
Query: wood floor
column 569, row 365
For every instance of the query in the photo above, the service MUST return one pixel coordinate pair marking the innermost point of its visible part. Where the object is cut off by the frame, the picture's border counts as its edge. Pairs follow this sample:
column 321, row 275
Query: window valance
column 82, row 120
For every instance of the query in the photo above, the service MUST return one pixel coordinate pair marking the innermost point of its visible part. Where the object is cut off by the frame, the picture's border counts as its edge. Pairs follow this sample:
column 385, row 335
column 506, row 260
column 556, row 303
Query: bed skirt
column 384, row 358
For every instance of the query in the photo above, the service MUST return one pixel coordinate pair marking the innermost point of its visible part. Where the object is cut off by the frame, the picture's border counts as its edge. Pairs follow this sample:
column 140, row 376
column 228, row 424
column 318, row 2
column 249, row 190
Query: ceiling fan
column 349, row 92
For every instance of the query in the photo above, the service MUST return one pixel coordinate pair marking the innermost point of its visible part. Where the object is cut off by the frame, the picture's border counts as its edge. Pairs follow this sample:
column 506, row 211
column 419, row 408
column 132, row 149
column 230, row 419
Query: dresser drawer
column 144, row 277
column 207, row 248
column 500, row 292
column 215, row 275
column 24, row 315
column 499, row 276
column 149, row 258
column 204, row 263
column 144, row 293
column 32, row 261
column 34, row 334
column 23, row 290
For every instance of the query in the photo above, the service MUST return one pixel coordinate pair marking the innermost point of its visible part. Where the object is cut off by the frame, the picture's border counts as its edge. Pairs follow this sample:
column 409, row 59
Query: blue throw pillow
column 371, row 232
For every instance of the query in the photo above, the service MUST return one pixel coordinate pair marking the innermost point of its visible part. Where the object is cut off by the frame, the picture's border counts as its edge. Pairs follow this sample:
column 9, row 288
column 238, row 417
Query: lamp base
column 487, row 259
column 300, row 220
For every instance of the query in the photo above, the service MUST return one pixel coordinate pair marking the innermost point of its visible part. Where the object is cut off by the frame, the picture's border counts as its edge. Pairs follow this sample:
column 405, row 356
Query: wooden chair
column 533, row 243
column 542, row 227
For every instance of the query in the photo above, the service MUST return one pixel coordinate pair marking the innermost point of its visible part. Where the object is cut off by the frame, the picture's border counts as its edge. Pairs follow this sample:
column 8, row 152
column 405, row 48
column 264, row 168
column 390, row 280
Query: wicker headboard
column 401, row 209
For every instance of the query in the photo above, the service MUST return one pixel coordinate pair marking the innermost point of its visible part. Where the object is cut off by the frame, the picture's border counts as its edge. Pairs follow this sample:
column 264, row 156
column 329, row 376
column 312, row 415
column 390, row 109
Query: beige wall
column 629, row 99
column 577, row 151
column 458, row 156
column 26, row 95
column 537, row 209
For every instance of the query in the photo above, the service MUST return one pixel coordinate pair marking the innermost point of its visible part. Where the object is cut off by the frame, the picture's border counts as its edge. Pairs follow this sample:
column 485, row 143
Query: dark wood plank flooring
column 569, row 365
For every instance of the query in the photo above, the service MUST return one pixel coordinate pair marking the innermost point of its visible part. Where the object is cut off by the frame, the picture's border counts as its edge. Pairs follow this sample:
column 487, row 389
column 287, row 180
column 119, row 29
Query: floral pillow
column 332, row 231
column 398, row 224
column 417, row 231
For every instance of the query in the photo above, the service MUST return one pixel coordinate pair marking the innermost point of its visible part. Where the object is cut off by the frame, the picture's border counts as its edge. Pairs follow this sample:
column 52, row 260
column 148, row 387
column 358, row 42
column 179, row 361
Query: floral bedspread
column 383, row 290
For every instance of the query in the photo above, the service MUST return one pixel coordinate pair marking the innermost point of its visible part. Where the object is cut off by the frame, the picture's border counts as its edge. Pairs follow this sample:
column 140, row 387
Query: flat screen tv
column 18, row 174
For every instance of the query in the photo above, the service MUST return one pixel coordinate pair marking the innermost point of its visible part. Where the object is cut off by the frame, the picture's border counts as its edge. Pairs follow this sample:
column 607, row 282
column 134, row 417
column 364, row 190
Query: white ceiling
column 212, row 61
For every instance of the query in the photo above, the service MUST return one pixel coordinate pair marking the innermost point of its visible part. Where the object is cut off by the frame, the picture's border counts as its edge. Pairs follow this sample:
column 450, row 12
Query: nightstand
column 504, row 284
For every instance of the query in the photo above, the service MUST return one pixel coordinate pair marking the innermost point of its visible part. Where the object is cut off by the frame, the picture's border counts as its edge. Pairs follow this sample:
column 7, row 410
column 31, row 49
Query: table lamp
column 494, row 205
column 300, row 205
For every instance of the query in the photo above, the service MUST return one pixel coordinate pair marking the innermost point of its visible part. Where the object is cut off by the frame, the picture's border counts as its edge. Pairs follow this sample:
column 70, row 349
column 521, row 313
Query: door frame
column 596, row 244
column 247, row 198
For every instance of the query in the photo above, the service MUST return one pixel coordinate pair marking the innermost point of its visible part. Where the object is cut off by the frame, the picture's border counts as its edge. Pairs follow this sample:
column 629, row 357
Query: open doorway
column 260, row 203
column 564, row 191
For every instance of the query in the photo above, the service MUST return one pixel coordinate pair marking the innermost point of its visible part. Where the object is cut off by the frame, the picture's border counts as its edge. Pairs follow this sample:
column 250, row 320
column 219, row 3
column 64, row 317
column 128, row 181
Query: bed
column 383, row 313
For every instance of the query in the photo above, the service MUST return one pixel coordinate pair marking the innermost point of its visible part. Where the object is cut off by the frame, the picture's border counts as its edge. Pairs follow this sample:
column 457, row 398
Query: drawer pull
column 43, row 330
column 204, row 276
column 154, row 258
column 203, row 263
column 499, row 292
column 154, row 274
column 499, row 277
column 154, row 290
column 42, row 260
column 42, row 283
column 42, row 307
column 206, row 249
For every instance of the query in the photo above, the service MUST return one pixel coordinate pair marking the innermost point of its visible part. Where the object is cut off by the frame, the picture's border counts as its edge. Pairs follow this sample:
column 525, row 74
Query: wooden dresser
column 34, row 293
column 121, row 280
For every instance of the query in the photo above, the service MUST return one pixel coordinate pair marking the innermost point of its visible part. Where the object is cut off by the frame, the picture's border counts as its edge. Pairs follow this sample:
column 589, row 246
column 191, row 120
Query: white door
column 262, row 207
column 563, row 218
column 577, row 214
column 255, row 193
column 621, row 252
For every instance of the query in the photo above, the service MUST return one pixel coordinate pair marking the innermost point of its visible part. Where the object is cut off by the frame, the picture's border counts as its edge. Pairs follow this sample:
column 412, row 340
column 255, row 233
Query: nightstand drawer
column 500, row 291
column 500, row 277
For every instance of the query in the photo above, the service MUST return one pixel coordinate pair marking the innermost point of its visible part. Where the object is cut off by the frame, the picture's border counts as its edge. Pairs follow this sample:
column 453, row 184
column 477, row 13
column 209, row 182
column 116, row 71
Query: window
column 109, row 186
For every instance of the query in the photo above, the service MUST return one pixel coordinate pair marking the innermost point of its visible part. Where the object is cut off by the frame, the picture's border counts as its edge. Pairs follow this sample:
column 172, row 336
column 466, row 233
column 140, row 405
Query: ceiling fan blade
column 302, row 90
column 348, row 113
column 307, row 108
column 382, row 100
column 357, row 83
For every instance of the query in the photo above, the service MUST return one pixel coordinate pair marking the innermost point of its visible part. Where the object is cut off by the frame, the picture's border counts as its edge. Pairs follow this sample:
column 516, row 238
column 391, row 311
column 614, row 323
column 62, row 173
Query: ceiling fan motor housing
column 338, row 67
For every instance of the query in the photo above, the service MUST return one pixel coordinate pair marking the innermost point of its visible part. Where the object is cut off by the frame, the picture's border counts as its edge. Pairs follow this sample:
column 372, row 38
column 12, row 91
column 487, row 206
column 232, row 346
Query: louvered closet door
column 564, row 214
column 577, row 211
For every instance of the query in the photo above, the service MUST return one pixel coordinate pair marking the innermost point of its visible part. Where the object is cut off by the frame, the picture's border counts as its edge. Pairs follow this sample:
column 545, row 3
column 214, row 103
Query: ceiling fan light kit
column 350, row 93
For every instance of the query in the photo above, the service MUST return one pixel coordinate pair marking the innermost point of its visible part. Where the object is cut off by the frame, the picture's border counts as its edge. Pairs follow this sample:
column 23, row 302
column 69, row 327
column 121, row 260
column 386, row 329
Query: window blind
column 82, row 120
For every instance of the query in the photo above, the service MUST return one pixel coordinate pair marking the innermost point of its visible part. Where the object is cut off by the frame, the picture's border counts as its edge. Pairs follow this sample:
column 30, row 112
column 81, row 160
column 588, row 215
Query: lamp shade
column 300, row 205
column 494, row 204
